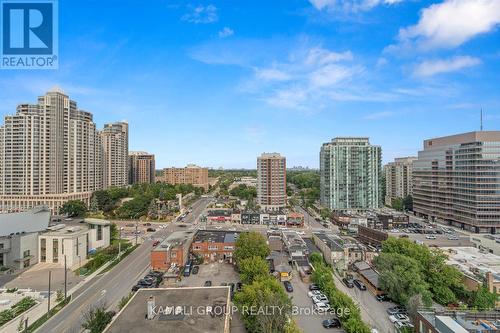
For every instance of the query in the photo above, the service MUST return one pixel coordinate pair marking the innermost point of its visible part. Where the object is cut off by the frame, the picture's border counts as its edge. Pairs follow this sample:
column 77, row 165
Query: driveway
column 309, row 322
column 373, row 312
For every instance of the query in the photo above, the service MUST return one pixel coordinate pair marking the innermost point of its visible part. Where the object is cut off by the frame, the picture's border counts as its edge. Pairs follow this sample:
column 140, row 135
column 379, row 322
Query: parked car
column 331, row 323
column 146, row 224
column 396, row 309
column 360, row 285
column 382, row 298
column 401, row 324
column 398, row 317
column 314, row 293
column 195, row 269
column 288, row 286
column 320, row 299
column 348, row 283
column 156, row 242
column 313, row 286
column 239, row 286
column 430, row 237
column 322, row 307
column 208, row 283
column 223, row 284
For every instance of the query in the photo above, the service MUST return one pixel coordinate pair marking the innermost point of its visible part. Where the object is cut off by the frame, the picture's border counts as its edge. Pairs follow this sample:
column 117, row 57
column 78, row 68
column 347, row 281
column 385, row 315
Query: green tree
column 408, row 202
column 482, row 299
column 250, row 244
column 264, row 294
column 401, row 277
column 73, row 208
column 397, row 204
column 96, row 319
column 252, row 269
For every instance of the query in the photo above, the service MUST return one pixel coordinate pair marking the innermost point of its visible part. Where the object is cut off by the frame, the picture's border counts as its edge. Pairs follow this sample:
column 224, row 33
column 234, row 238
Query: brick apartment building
column 173, row 250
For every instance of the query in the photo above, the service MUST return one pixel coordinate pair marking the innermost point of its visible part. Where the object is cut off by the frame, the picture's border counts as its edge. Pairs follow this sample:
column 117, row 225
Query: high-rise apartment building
column 50, row 152
column 271, row 181
column 456, row 179
column 350, row 172
column 398, row 179
column 191, row 174
column 115, row 154
column 141, row 167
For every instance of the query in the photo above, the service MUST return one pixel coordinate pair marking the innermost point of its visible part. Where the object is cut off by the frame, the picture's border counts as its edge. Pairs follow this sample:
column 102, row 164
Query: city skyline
column 318, row 69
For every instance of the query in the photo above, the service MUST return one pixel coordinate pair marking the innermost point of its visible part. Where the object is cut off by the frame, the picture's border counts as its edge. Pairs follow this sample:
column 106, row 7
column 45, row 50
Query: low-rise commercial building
column 175, row 310
column 214, row 245
column 294, row 245
column 371, row 237
column 369, row 276
column 459, row 321
column 19, row 237
column 172, row 251
column 73, row 242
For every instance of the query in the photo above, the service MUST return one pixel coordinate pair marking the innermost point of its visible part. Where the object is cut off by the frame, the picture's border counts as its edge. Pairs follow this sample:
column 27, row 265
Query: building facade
column 19, row 237
column 114, row 138
column 457, row 181
column 191, row 174
column 50, row 152
column 141, row 167
column 350, row 172
column 271, row 181
column 398, row 179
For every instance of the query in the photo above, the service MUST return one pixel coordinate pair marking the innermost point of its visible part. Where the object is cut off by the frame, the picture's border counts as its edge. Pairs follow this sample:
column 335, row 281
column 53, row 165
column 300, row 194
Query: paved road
column 307, row 320
column 111, row 287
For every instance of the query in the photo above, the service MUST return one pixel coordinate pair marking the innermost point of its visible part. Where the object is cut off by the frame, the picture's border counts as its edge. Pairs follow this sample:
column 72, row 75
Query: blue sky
column 219, row 82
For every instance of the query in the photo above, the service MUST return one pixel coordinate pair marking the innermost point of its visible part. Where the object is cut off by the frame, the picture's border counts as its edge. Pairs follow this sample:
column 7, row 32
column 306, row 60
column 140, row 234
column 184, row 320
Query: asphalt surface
column 110, row 287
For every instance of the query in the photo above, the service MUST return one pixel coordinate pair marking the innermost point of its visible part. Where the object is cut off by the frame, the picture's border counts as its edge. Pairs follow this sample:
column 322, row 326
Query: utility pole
column 48, row 306
column 136, row 225
column 65, row 279
column 120, row 243
column 481, row 119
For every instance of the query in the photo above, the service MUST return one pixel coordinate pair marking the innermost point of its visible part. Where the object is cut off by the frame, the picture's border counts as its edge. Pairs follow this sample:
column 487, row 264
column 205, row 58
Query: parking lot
column 307, row 321
column 37, row 278
column 215, row 272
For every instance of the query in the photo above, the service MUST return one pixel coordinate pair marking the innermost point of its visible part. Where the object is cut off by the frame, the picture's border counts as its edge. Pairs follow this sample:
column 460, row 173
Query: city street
column 110, row 287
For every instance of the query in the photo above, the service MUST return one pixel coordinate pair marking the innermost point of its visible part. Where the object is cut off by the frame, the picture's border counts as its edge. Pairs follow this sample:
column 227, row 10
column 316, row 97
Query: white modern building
column 19, row 237
column 73, row 241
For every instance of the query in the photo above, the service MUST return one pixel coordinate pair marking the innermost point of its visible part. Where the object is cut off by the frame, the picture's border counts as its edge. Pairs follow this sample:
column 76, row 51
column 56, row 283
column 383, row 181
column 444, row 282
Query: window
column 213, row 247
column 197, row 247
column 99, row 232
column 227, row 247
column 55, row 250
column 1, row 259
column 26, row 253
column 43, row 250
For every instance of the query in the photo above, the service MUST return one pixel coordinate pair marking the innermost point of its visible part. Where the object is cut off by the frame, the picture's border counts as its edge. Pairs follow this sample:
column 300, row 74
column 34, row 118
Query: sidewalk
column 40, row 309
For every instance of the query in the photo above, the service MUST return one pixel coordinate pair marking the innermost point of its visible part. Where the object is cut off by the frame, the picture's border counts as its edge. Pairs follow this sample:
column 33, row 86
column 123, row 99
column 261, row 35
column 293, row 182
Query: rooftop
column 471, row 260
column 175, row 310
column 215, row 236
column 334, row 242
column 462, row 321
column 177, row 238
column 34, row 220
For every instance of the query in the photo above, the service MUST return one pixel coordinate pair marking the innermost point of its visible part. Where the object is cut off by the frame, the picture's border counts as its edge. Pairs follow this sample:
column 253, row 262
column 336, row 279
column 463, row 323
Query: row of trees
column 347, row 311
column 261, row 291
column 109, row 201
column 408, row 269
column 244, row 192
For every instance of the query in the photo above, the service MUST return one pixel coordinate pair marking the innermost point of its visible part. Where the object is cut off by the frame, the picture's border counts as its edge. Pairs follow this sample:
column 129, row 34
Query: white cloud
column 451, row 23
column 320, row 56
column 430, row 68
column 350, row 5
column 202, row 14
column 226, row 32
column 271, row 74
column 379, row 115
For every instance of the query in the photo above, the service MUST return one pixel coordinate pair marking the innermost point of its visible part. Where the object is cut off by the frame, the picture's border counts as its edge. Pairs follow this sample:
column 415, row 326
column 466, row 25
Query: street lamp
column 120, row 242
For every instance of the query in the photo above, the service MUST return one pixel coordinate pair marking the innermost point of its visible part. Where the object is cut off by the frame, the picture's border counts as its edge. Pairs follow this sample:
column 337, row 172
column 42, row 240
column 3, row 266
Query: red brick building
column 214, row 245
column 173, row 250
